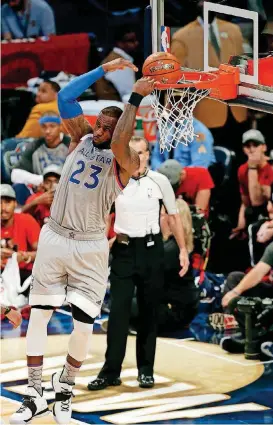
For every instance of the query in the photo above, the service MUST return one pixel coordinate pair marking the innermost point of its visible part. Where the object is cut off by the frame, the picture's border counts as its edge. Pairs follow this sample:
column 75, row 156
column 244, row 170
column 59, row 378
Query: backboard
column 255, row 90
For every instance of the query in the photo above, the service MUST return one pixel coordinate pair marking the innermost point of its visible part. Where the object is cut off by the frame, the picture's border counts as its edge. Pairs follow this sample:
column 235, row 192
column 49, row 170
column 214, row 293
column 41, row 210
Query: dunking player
column 72, row 256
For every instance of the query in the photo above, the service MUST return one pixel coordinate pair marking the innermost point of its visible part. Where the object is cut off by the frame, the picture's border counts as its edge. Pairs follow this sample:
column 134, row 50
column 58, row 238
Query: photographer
column 19, row 233
column 249, row 285
column 38, row 204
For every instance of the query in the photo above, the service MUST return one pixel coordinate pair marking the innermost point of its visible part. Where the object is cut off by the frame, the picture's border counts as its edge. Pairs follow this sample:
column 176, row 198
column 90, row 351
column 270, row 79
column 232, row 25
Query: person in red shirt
column 19, row 232
column 38, row 204
column 194, row 184
column 255, row 180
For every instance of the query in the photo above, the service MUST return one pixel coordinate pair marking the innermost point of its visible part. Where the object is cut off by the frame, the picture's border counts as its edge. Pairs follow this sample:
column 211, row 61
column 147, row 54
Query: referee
column 138, row 261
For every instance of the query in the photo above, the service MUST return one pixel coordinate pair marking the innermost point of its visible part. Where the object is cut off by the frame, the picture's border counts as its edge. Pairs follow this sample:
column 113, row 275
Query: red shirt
column 265, row 177
column 24, row 232
column 41, row 212
column 197, row 178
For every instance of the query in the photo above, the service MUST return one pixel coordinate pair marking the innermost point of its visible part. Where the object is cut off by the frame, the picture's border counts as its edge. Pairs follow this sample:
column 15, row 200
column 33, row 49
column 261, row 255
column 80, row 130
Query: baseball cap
column 53, row 169
column 7, row 191
column 172, row 170
column 254, row 135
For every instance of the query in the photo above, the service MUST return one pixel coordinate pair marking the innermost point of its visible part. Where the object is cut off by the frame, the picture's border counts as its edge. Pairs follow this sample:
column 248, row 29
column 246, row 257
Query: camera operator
column 250, row 285
column 138, row 262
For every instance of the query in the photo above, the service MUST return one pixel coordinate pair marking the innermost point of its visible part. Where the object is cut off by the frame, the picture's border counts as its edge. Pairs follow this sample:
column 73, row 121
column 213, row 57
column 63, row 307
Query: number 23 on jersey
column 94, row 175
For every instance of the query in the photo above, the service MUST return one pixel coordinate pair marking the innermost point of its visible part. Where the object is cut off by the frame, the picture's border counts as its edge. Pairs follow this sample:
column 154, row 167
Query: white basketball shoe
column 62, row 409
column 33, row 406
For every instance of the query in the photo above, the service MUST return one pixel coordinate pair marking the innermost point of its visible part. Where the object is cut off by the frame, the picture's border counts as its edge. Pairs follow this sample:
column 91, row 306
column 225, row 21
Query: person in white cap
column 255, row 179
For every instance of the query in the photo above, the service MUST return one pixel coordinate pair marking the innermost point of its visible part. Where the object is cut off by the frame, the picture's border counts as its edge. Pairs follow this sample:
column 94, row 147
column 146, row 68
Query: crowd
column 222, row 183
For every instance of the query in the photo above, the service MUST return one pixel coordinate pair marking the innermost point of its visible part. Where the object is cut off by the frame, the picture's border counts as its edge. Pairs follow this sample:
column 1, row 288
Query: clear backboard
column 238, row 37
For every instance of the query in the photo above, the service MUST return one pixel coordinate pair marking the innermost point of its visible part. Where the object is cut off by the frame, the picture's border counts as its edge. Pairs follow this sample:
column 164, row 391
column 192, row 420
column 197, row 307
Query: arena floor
column 196, row 382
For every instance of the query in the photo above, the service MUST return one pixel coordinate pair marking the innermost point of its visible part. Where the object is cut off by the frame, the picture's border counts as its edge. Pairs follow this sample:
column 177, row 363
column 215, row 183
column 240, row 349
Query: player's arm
column 126, row 157
column 71, row 111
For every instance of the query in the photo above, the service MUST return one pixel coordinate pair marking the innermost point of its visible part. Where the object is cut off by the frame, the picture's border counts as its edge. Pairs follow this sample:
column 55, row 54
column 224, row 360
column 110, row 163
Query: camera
column 251, row 308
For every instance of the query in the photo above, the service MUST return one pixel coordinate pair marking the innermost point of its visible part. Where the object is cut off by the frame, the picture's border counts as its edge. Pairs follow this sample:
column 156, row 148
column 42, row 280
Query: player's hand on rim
column 118, row 64
column 145, row 86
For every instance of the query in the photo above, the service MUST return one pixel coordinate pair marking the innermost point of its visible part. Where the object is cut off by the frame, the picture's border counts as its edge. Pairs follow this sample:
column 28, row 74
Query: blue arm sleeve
column 67, row 103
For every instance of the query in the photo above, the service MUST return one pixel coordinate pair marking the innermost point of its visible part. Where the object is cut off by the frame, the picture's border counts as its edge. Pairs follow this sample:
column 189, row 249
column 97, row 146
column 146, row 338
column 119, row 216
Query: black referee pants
column 133, row 265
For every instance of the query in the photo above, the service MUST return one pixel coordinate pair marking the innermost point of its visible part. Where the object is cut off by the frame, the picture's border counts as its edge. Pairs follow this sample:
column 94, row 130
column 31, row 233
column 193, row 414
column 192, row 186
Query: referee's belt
column 125, row 239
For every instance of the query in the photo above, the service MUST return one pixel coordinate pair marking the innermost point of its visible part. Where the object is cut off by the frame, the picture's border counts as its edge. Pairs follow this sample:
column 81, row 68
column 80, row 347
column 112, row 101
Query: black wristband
column 135, row 99
column 7, row 310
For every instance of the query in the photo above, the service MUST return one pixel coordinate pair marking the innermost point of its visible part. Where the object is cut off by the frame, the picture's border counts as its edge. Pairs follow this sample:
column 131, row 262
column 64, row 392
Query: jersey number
column 94, row 175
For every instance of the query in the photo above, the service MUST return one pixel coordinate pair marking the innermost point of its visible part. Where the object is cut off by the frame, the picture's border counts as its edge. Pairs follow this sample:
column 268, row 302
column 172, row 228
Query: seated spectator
column 250, row 285
column 51, row 148
column 19, row 233
column 46, row 100
column 38, row 204
column 192, row 184
column 25, row 19
column 115, row 85
column 198, row 153
column 255, row 180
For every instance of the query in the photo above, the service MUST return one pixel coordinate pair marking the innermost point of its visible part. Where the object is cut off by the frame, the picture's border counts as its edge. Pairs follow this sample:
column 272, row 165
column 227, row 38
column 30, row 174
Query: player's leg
column 47, row 290
column 63, row 381
column 34, row 404
column 87, row 269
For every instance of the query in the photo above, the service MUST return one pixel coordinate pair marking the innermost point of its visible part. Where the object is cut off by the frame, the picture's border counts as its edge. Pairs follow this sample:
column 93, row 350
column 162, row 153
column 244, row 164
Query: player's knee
column 37, row 330
column 80, row 339
column 82, row 317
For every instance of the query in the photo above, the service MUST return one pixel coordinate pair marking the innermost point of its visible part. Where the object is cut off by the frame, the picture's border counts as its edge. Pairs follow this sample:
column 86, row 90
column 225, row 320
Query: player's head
column 47, row 91
column 50, row 123
column 8, row 202
column 51, row 175
column 126, row 38
column 253, row 140
column 105, row 126
column 141, row 146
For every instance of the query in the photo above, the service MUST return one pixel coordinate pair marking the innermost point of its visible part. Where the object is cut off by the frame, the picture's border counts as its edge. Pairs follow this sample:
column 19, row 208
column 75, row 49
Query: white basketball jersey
column 88, row 187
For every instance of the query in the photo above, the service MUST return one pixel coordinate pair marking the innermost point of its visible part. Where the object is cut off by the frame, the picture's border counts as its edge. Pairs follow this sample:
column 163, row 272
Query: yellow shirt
column 32, row 127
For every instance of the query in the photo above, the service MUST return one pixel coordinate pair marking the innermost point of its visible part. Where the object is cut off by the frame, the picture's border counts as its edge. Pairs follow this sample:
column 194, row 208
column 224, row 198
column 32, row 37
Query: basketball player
column 72, row 257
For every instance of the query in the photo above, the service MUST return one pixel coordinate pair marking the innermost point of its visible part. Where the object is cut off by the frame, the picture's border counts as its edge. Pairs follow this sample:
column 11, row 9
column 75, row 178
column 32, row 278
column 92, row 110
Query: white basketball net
column 174, row 115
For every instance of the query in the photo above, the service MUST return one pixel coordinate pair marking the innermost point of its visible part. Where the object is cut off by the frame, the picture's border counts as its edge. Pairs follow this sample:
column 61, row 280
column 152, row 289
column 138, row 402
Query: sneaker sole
column 20, row 422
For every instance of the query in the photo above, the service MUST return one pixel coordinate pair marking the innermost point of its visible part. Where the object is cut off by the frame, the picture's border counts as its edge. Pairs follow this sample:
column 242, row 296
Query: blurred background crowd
column 225, row 176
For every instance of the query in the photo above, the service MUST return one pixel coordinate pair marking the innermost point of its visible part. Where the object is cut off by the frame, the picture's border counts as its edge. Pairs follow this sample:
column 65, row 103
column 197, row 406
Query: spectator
column 46, row 100
column 180, row 296
column 193, row 184
column 225, row 40
column 115, row 85
column 250, row 285
column 13, row 316
column 268, row 34
column 19, row 232
column 198, row 153
column 27, row 18
column 255, row 180
column 52, row 148
column 39, row 203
